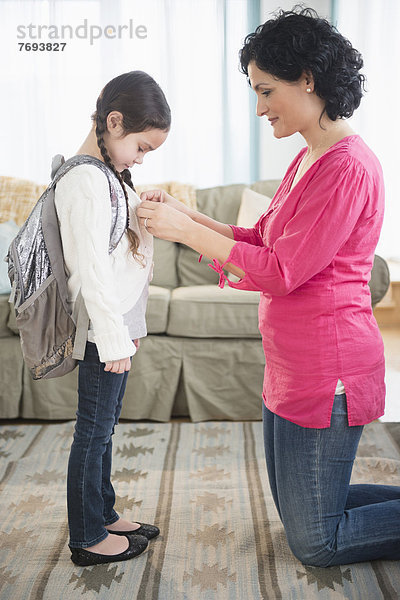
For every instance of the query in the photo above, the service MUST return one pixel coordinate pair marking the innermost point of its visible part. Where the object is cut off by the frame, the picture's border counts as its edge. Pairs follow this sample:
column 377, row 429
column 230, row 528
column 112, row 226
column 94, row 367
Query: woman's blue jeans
column 90, row 494
column 328, row 521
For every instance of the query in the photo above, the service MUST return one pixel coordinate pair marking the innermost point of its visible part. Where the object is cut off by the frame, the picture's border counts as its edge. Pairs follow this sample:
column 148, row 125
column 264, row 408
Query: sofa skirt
column 204, row 379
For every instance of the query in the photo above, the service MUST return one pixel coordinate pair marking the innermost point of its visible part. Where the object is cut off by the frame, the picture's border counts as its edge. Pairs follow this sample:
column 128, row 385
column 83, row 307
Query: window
column 372, row 27
column 191, row 49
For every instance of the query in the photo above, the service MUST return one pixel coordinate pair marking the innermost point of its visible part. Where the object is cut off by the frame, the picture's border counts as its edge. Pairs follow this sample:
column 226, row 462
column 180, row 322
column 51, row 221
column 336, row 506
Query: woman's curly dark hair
column 299, row 41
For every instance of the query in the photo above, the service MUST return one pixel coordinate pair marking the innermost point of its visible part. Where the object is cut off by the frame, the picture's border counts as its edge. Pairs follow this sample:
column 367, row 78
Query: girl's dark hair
column 143, row 106
column 299, row 41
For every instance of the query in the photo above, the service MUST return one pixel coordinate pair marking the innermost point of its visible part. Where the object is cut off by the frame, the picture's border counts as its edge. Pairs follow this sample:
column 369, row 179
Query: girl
column 310, row 255
column 132, row 118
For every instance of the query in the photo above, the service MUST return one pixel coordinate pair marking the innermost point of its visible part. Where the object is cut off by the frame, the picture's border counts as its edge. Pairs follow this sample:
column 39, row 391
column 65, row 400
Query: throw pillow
column 17, row 198
column 252, row 206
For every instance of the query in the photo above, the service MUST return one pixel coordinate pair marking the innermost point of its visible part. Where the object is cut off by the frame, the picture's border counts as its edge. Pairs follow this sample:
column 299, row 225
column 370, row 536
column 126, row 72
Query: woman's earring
column 308, row 90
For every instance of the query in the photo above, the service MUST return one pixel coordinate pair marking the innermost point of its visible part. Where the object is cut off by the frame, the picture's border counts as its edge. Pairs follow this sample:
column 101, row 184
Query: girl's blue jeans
column 90, row 494
column 328, row 521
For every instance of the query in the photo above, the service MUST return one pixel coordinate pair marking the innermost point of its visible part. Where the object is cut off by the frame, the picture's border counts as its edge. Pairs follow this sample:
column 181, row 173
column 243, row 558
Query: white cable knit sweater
column 111, row 284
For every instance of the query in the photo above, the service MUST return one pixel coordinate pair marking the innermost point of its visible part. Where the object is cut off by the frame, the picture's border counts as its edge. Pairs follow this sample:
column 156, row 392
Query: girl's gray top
column 135, row 319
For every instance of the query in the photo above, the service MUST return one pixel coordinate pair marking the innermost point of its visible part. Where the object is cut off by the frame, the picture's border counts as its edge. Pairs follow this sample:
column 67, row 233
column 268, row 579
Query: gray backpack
column 52, row 338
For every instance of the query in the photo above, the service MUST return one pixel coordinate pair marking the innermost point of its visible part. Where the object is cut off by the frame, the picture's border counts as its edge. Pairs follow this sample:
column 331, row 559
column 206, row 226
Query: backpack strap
column 119, row 209
column 56, row 163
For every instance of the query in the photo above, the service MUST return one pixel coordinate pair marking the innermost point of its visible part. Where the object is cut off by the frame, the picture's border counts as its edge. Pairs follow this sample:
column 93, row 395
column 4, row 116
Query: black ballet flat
column 84, row 558
column 146, row 530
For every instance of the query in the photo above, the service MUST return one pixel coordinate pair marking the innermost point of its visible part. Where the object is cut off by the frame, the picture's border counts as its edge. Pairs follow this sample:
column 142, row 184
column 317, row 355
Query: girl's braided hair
column 143, row 106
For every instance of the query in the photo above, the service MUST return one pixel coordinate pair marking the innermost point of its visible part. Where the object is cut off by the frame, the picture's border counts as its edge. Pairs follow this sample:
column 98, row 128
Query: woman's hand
column 162, row 196
column 118, row 366
column 137, row 343
column 164, row 221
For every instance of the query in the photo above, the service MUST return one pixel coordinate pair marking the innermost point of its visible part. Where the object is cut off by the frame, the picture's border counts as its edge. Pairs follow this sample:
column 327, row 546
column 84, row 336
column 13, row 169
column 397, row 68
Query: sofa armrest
column 380, row 280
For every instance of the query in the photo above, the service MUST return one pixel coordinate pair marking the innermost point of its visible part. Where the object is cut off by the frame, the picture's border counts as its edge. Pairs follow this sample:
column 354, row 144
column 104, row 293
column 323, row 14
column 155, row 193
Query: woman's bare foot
column 113, row 544
column 122, row 525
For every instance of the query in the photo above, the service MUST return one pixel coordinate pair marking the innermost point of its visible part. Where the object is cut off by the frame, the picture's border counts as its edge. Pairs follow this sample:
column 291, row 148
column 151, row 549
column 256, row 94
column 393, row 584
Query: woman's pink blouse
column 310, row 255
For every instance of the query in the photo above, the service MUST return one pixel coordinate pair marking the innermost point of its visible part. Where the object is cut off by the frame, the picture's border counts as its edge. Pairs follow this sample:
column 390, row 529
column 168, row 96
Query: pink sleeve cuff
column 218, row 268
column 215, row 265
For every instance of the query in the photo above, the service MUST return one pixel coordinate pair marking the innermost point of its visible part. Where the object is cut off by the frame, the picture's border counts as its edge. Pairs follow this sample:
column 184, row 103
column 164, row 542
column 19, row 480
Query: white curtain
column 191, row 49
column 373, row 26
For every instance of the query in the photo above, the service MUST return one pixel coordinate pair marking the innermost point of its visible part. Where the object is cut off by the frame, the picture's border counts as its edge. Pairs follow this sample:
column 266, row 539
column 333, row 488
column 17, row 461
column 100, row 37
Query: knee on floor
column 310, row 552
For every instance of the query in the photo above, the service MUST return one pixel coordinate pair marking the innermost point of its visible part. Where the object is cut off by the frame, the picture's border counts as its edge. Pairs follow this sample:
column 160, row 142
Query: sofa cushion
column 206, row 311
column 165, row 272
column 191, row 271
column 266, row 187
column 157, row 309
column 220, row 203
column 156, row 313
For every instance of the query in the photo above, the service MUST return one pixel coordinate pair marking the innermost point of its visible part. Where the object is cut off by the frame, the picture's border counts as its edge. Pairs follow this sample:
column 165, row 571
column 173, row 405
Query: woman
column 310, row 255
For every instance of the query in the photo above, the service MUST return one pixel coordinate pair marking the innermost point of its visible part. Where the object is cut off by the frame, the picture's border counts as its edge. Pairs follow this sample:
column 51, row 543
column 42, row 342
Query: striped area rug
column 205, row 485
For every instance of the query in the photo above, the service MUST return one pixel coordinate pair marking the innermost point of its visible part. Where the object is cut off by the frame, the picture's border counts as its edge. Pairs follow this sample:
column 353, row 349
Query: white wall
column 275, row 155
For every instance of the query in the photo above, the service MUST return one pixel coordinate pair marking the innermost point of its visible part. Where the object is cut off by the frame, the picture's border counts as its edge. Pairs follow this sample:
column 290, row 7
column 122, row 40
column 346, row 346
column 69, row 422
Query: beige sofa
column 203, row 355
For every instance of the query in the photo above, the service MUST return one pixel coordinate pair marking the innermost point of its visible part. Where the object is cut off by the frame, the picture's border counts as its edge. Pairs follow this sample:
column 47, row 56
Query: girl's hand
column 161, row 196
column 164, row 221
column 118, row 366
